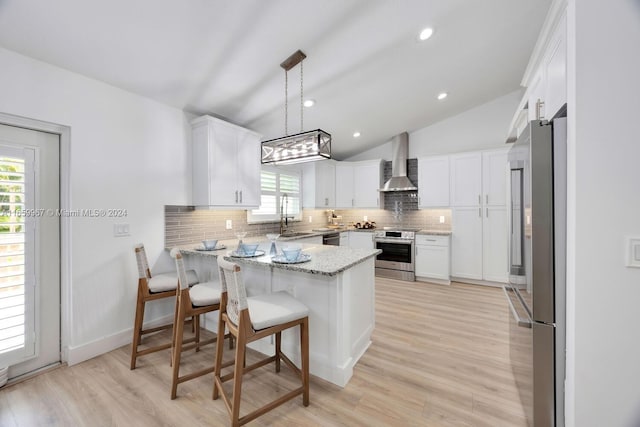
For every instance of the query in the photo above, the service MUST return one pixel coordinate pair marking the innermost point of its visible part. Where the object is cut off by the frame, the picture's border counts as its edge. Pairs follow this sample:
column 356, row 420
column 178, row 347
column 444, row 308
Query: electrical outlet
column 441, row 219
column 310, row 218
column 229, row 224
column 365, row 218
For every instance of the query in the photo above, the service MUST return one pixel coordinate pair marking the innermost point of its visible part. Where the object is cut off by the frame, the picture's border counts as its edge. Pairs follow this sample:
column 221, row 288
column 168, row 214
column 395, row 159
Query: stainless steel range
column 397, row 258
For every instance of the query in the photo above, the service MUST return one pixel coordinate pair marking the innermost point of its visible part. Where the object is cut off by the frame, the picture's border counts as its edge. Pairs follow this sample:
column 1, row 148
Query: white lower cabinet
column 432, row 261
column 361, row 240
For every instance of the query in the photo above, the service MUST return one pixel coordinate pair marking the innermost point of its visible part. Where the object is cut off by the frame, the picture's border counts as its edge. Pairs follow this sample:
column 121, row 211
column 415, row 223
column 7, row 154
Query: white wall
column 479, row 128
column 604, row 334
column 126, row 152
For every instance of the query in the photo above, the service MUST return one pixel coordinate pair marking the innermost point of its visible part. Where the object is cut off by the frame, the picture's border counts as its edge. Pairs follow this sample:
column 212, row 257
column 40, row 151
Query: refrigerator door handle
column 524, row 323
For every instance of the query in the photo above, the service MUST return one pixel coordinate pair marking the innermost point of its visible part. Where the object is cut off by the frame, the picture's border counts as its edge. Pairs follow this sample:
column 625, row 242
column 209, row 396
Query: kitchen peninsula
column 338, row 287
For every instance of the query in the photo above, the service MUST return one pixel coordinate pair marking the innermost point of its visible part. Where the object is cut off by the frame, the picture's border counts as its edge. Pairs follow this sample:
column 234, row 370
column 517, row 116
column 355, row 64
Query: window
column 280, row 194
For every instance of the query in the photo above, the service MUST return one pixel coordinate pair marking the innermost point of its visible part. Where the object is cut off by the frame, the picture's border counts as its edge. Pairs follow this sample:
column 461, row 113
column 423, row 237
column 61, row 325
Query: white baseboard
column 106, row 344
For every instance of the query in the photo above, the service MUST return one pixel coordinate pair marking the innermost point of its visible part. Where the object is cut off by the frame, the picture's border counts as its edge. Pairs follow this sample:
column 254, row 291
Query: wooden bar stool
column 191, row 302
column 151, row 288
column 249, row 319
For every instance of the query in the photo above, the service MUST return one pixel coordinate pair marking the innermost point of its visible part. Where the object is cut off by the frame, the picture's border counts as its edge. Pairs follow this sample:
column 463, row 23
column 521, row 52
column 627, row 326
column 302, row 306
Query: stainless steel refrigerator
column 536, row 290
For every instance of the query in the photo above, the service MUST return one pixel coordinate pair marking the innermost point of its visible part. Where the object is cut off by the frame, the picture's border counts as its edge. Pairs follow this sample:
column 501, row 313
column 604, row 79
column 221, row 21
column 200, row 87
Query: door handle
column 479, row 199
column 236, row 196
column 240, row 196
column 487, row 212
column 486, row 197
column 480, row 212
column 524, row 323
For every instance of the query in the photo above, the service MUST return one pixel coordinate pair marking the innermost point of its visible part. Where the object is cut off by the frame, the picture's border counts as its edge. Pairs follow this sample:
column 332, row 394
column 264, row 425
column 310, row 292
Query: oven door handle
column 525, row 323
column 399, row 242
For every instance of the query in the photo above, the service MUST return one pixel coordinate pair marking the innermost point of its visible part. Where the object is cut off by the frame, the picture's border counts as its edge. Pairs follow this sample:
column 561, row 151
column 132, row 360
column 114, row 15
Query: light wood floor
column 445, row 363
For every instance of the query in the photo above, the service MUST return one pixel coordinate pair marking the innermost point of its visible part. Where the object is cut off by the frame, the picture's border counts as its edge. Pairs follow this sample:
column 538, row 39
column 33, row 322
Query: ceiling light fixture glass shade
column 304, row 146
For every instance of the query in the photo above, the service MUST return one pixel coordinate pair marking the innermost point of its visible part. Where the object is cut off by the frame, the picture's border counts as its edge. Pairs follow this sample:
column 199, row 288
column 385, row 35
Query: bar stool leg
column 304, row 355
column 137, row 329
column 278, row 351
column 238, row 370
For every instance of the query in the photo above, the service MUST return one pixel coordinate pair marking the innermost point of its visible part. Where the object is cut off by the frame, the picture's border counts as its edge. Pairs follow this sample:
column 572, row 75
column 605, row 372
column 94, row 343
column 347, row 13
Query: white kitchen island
column 338, row 287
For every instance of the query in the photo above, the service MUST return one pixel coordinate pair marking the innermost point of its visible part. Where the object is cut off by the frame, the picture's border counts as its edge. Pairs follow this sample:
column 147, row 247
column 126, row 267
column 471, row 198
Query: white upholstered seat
column 206, row 293
column 169, row 281
column 274, row 309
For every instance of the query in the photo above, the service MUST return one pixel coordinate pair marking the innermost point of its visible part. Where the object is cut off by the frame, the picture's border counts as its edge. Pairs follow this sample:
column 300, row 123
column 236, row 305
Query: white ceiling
column 364, row 67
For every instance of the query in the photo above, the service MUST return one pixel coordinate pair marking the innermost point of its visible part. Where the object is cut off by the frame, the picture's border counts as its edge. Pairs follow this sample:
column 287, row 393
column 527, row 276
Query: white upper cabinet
column 466, row 179
column 546, row 75
column 494, row 177
column 367, row 179
column 357, row 184
column 344, row 185
column 226, row 164
column 433, row 182
column 555, row 69
column 319, row 184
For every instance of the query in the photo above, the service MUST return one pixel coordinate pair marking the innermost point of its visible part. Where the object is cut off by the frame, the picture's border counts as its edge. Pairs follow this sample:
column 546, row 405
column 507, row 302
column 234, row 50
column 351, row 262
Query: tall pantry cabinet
column 479, row 244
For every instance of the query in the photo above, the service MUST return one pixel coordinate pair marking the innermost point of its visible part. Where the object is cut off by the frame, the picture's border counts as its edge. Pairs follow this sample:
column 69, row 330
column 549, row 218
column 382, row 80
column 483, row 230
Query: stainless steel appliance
column 397, row 258
column 536, row 289
column 399, row 180
column 331, row 239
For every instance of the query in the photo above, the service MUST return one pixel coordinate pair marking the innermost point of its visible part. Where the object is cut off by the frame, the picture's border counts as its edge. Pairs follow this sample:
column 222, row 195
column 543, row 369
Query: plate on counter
column 280, row 259
column 217, row 248
column 235, row 254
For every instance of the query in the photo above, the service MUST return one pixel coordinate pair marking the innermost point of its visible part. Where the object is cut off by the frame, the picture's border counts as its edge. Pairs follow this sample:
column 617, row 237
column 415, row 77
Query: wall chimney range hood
column 399, row 180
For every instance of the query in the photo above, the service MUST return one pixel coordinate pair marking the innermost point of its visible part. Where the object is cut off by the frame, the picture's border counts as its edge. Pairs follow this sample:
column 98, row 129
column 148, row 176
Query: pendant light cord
column 286, row 100
column 286, row 103
column 301, row 98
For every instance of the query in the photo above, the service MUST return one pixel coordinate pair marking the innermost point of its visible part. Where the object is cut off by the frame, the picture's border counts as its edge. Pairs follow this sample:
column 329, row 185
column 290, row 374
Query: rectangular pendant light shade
column 302, row 147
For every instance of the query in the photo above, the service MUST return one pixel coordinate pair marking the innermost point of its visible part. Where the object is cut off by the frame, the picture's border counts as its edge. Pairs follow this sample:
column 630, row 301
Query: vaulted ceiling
column 365, row 67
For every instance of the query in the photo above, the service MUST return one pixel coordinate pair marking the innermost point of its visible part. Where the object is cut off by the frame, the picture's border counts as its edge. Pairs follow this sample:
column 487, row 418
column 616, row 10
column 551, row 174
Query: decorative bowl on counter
column 248, row 249
column 291, row 252
column 210, row 244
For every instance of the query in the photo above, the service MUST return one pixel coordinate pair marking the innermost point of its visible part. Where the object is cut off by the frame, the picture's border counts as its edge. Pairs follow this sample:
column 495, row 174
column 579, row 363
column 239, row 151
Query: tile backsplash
column 185, row 225
column 401, row 201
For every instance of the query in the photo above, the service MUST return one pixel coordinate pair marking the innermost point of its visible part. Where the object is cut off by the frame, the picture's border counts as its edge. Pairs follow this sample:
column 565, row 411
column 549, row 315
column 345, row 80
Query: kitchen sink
column 296, row 234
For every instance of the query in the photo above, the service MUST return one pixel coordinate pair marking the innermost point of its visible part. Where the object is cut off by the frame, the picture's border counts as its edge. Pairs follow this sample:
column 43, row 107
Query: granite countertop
column 435, row 232
column 325, row 260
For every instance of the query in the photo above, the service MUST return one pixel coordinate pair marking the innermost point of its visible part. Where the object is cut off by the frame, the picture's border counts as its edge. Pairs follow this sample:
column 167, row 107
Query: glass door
column 17, row 261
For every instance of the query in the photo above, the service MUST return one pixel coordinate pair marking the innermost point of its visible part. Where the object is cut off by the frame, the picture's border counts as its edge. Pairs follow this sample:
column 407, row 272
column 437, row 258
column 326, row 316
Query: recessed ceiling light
column 356, row 134
column 442, row 96
column 309, row 102
column 425, row 34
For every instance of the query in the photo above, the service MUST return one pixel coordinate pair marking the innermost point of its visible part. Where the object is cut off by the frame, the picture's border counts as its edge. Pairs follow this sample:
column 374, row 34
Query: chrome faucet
column 283, row 212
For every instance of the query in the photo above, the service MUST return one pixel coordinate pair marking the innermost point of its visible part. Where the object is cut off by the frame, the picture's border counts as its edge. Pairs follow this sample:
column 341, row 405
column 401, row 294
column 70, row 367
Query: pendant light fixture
column 300, row 147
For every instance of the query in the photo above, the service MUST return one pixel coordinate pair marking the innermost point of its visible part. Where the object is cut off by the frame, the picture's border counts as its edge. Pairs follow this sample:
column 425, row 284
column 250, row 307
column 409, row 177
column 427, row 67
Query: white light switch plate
column 229, row 224
column 120, row 230
column 633, row 252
